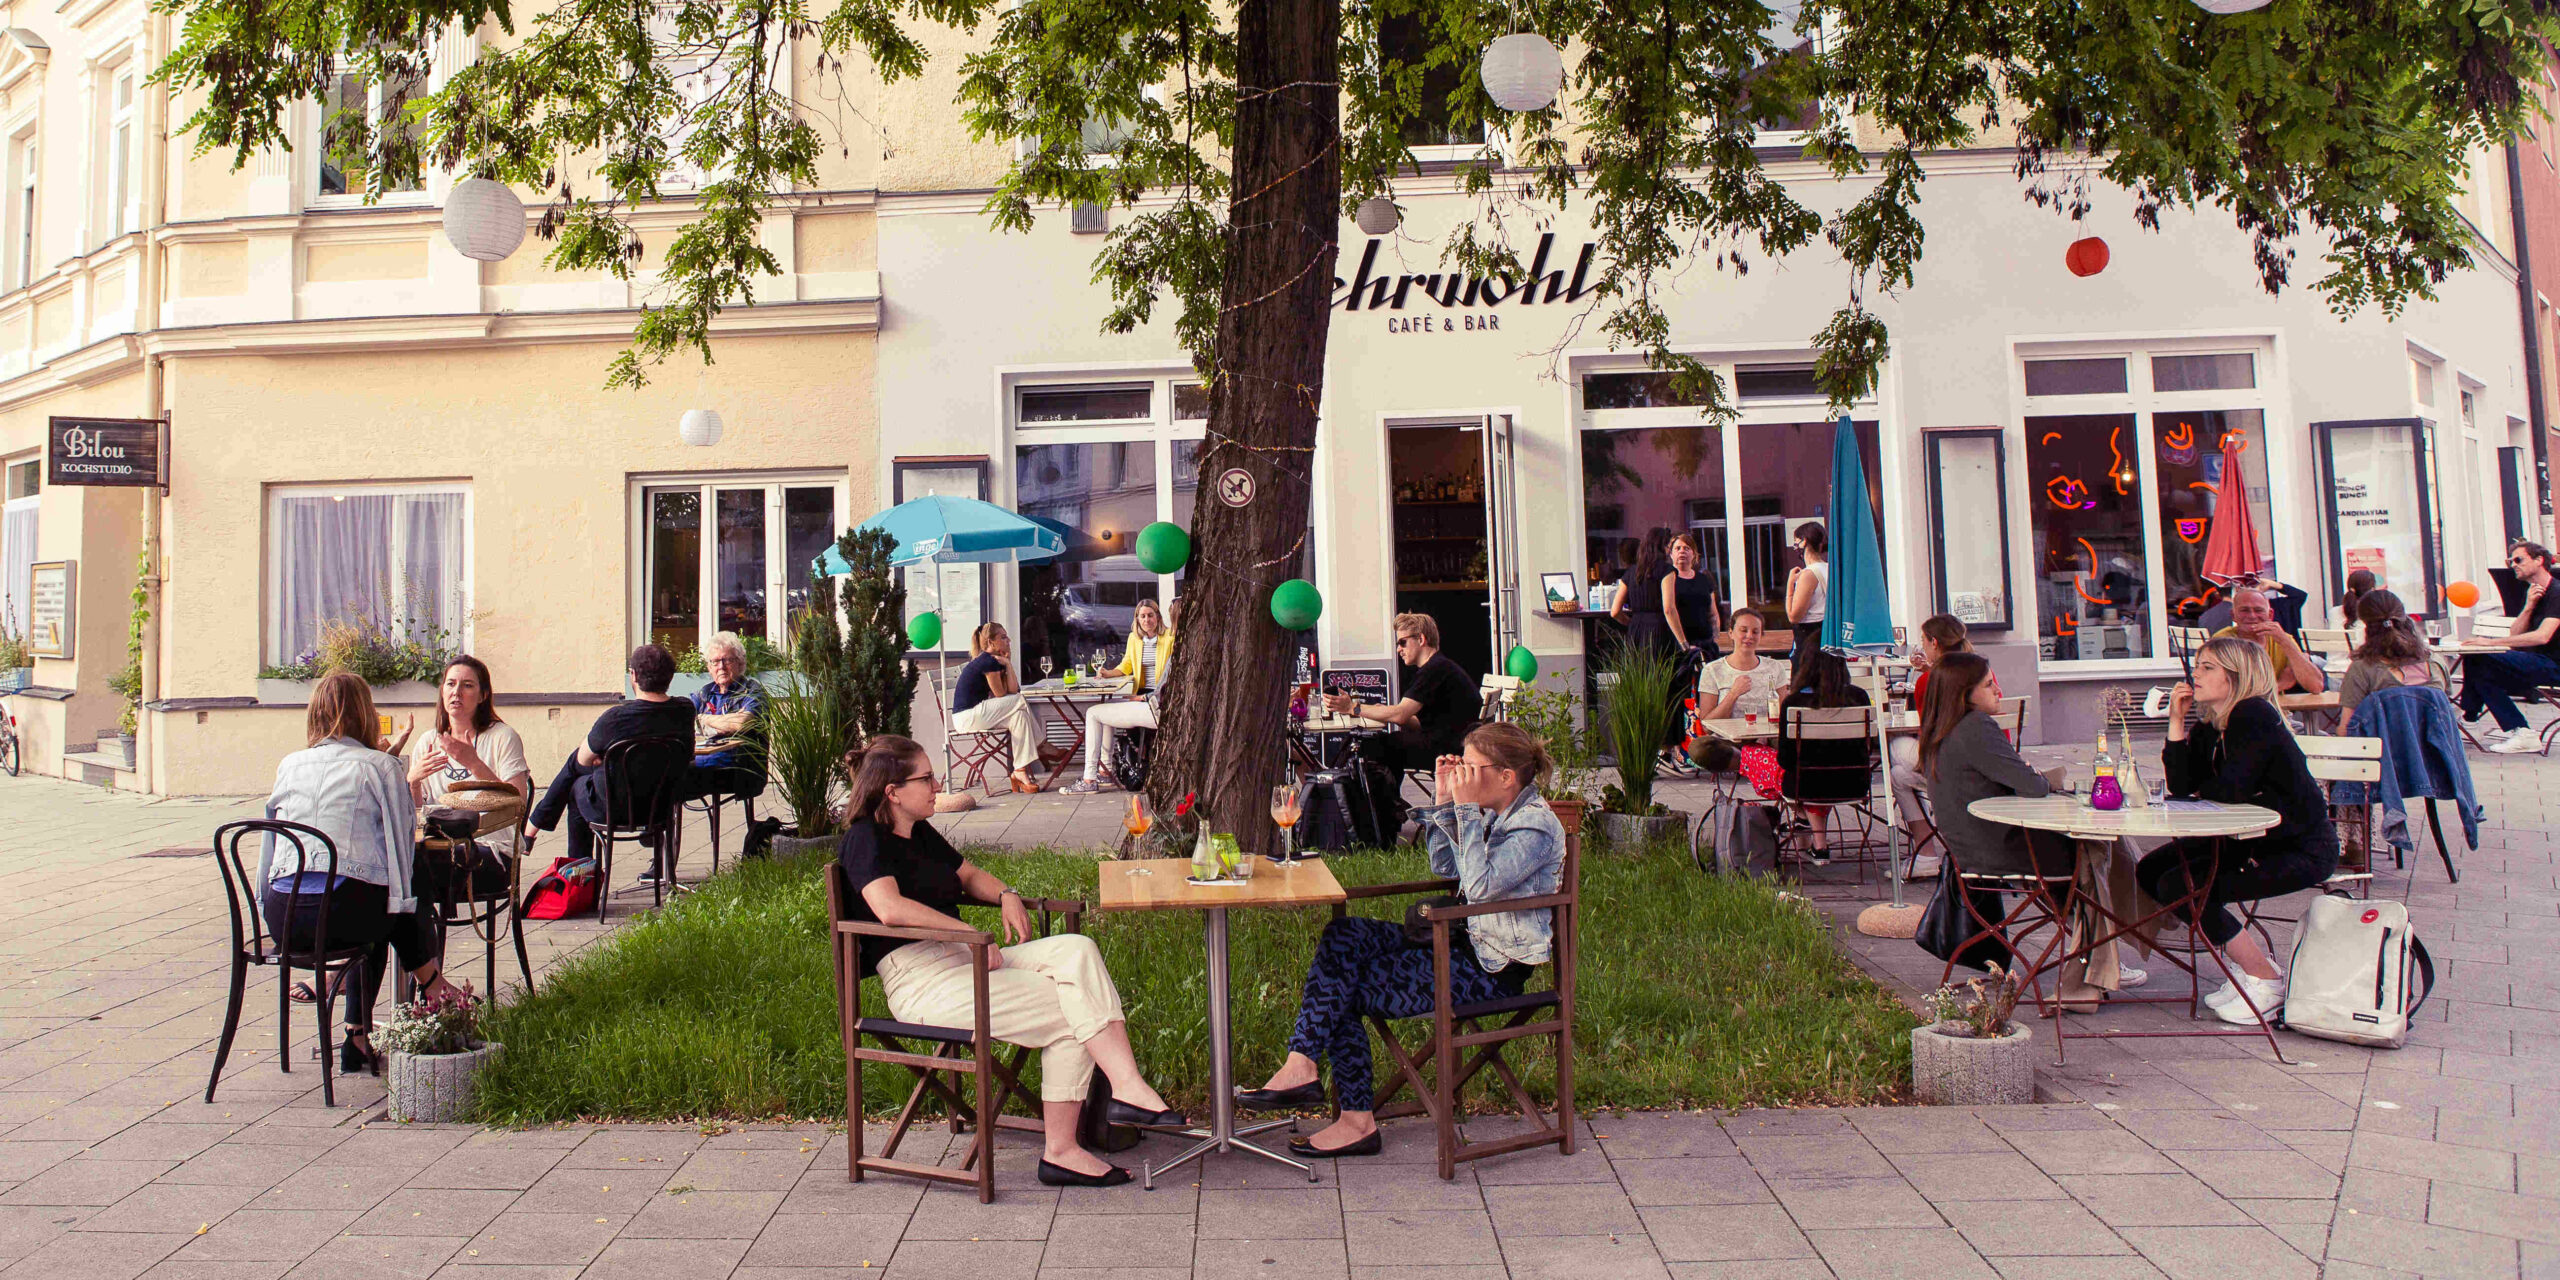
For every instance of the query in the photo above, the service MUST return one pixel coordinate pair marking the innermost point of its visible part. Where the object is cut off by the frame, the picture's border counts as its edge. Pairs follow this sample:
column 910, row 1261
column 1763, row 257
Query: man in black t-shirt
column 580, row 782
column 1439, row 705
column 2491, row 681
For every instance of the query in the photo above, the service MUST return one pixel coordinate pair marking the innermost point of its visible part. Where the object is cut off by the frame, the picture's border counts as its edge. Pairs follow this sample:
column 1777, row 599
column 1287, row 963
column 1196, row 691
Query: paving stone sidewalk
column 2154, row 1157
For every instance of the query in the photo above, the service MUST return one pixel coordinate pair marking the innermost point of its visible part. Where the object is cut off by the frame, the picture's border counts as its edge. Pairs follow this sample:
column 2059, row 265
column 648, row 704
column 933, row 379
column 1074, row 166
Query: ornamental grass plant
column 1694, row 991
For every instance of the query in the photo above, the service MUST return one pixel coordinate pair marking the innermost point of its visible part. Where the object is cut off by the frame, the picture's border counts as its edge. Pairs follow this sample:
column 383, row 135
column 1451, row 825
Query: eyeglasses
column 926, row 776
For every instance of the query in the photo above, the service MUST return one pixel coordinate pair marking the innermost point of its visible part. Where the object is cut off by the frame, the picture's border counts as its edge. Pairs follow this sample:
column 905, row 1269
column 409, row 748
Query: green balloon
column 924, row 631
column 1295, row 604
column 1520, row 663
column 1163, row 547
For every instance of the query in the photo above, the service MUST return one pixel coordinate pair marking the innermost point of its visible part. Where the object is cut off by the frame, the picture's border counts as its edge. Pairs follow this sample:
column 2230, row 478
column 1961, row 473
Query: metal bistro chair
column 970, row 753
column 2041, row 906
column 251, row 944
column 1837, row 774
column 1439, row 1081
column 957, row 1051
column 488, row 908
column 648, row 820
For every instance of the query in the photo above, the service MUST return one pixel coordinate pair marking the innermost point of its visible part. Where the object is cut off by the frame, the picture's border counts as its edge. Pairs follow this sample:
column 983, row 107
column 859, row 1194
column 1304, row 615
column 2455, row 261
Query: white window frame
column 124, row 203
column 316, row 115
column 1159, row 426
column 22, row 264
column 13, row 595
column 2143, row 403
column 776, row 573
column 274, row 549
column 1796, row 138
column 695, row 84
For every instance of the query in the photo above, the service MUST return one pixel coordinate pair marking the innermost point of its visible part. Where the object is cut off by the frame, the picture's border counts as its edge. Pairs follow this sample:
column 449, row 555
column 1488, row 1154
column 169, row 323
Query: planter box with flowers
column 1972, row 1054
column 432, row 1058
column 403, row 672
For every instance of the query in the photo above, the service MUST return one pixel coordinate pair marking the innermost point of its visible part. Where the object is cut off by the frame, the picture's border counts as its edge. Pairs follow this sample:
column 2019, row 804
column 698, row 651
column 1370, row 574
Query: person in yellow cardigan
column 1150, row 650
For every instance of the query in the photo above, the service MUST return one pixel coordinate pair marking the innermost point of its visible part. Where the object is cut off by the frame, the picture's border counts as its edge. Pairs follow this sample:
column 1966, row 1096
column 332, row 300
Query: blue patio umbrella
column 937, row 530
column 1855, row 611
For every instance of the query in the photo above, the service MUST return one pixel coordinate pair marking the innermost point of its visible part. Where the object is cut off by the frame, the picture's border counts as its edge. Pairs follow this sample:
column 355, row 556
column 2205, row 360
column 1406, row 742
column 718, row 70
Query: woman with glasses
column 2491, row 681
column 2240, row 752
column 1052, row 994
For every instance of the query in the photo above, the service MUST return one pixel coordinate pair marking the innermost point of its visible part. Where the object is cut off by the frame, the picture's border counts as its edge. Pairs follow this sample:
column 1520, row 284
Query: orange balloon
column 2461, row 595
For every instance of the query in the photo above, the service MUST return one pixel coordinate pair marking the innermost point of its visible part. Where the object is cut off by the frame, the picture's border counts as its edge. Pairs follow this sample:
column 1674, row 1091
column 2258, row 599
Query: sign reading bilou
column 132, row 452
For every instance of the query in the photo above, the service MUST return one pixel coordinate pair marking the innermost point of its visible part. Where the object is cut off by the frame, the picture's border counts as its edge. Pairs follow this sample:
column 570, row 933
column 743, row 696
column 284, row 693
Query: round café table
column 2096, row 832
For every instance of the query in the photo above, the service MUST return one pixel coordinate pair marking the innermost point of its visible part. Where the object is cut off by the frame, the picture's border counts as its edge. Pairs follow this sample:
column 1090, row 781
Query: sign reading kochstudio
column 108, row 451
column 1474, row 300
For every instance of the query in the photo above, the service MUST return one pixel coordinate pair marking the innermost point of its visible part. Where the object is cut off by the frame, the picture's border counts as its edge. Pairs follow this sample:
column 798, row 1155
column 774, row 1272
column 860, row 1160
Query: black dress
column 1645, row 623
column 2252, row 760
column 1696, row 596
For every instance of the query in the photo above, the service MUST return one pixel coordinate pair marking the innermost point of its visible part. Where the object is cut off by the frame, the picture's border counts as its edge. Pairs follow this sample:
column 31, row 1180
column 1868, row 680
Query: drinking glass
column 1072, row 678
column 1284, row 812
column 1138, row 821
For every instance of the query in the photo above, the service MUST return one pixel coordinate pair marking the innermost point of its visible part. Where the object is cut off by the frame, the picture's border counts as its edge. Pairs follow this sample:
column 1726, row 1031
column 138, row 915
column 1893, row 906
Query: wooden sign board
column 1373, row 685
column 50, row 615
column 127, row 452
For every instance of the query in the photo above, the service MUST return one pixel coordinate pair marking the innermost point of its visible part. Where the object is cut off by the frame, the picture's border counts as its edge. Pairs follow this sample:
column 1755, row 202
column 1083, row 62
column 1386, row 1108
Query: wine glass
column 1139, row 820
column 1284, row 811
column 1041, row 665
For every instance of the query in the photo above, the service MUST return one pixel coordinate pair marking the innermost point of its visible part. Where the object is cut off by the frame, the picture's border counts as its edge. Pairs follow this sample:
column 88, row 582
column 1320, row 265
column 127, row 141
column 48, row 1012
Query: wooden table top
column 2072, row 815
column 1308, row 883
column 1053, row 687
column 2326, row 700
column 1340, row 724
column 1896, row 724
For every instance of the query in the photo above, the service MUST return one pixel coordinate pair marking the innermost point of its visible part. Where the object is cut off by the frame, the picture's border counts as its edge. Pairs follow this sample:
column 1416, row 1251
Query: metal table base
column 1222, row 1133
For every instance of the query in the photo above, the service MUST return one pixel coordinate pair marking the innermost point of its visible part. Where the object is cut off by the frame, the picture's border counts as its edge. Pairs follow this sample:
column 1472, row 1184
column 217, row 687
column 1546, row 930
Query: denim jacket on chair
column 1518, row 853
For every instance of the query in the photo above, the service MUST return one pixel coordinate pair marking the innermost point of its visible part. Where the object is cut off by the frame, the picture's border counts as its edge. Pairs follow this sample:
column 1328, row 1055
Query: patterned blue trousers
column 1366, row 966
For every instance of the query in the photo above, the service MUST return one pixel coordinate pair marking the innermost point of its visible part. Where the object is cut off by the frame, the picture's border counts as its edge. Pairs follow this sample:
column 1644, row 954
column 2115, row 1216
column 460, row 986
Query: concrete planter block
column 1627, row 833
column 1961, row 1071
column 401, row 693
column 437, row 1088
column 786, row 846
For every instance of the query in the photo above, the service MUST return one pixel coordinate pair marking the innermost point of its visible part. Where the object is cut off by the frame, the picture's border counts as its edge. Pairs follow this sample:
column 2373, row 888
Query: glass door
column 756, row 548
column 1502, row 539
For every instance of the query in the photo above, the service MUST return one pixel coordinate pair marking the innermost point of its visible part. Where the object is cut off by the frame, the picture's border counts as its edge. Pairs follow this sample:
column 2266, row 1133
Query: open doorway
column 1436, row 474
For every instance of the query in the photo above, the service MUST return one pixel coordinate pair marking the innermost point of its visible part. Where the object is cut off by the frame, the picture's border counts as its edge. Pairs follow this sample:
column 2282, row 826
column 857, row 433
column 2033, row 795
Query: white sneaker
column 2128, row 977
column 2267, row 994
column 2518, row 743
column 2222, row 995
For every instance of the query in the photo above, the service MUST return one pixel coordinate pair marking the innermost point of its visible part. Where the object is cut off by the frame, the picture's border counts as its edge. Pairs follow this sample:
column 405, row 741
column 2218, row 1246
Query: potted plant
column 1642, row 713
column 1972, row 1053
column 805, row 749
column 432, row 1056
column 1572, row 740
column 403, row 668
column 127, row 683
column 17, row 666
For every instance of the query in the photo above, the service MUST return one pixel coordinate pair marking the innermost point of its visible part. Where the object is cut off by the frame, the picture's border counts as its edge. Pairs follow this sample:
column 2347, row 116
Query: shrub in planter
column 1642, row 713
column 432, row 1057
column 1974, row 1053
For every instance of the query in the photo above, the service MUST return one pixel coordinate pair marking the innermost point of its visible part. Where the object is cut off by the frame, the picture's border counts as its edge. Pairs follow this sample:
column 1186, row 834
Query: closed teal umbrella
column 1855, row 612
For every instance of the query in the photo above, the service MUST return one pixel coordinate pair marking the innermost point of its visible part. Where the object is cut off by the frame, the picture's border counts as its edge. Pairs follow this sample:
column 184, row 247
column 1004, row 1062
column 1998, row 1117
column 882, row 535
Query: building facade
column 369, row 430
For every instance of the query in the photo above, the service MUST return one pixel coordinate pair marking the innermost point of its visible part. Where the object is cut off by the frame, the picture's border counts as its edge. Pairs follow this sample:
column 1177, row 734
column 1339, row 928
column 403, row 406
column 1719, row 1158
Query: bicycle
column 9, row 743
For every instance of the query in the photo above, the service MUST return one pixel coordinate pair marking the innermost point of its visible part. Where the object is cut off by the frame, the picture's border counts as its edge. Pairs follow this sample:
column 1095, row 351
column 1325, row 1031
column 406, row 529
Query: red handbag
column 567, row 889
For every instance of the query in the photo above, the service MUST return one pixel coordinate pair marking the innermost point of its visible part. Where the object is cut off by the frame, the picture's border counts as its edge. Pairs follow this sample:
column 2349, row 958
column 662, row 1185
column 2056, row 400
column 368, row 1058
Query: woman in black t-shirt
column 1052, row 994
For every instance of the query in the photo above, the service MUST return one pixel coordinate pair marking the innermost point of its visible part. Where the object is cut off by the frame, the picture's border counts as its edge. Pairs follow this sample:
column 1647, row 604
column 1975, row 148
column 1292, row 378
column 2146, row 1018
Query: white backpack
column 2353, row 961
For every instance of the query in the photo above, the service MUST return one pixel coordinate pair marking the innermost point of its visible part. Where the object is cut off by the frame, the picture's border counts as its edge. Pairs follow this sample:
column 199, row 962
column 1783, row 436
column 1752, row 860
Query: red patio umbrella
column 2231, row 549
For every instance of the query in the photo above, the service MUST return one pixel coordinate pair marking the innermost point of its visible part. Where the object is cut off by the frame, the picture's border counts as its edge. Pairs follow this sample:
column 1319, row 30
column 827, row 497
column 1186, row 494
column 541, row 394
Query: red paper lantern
column 2086, row 256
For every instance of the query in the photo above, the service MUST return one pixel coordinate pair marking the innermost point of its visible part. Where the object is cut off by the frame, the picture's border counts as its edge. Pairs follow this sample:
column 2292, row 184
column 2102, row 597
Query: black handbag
column 1946, row 924
column 1418, row 930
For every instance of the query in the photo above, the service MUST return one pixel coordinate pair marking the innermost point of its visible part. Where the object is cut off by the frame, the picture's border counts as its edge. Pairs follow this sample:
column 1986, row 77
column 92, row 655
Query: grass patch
column 1695, row 991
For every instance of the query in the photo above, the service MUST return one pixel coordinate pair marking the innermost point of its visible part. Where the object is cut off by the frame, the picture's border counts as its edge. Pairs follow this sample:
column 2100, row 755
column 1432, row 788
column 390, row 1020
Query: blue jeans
column 1366, row 966
column 2492, row 680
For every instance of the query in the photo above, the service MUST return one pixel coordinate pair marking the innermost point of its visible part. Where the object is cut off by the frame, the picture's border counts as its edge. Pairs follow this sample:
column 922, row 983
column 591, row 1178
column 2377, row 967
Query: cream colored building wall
column 99, row 530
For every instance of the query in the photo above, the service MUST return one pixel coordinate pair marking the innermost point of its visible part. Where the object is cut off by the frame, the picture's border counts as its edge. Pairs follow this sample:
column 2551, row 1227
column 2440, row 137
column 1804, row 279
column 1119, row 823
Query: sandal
column 301, row 993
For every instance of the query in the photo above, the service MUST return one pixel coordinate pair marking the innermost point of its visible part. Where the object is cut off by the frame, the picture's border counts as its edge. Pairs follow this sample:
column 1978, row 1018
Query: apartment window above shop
column 2130, row 463
column 124, row 211
column 377, row 564
column 18, row 260
column 1791, row 127
column 346, row 180
column 1435, row 131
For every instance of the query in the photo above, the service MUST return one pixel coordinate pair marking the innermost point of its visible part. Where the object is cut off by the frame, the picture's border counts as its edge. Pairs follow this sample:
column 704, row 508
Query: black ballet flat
column 1368, row 1146
column 1122, row 1113
column 1058, row 1175
column 1310, row 1094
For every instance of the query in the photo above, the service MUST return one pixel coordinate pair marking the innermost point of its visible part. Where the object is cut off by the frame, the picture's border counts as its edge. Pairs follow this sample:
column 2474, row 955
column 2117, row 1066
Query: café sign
column 132, row 452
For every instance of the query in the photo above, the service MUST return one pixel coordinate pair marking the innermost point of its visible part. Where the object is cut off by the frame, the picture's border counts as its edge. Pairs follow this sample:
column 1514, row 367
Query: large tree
column 2336, row 126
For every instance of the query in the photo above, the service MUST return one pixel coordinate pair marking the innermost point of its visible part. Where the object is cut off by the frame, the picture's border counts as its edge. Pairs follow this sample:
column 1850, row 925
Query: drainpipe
column 2533, row 370
column 147, row 290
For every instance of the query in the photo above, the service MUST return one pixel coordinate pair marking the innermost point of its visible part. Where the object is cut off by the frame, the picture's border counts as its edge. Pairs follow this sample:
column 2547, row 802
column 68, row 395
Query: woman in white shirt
column 488, row 750
column 1809, row 587
column 1742, row 683
column 346, row 788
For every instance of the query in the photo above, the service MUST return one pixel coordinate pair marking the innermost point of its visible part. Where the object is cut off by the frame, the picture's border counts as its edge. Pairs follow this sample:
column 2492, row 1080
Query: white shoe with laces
column 2265, row 994
column 2128, row 977
column 2222, row 995
column 2520, row 742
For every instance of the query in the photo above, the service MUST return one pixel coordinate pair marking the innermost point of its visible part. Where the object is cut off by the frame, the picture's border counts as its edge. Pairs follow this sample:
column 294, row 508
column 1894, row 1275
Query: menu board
column 1372, row 685
column 49, row 613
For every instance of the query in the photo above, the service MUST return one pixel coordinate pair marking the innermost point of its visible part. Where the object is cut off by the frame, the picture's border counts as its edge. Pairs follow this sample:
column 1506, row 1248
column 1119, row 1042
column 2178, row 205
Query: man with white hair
column 729, row 759
column 2253, row 617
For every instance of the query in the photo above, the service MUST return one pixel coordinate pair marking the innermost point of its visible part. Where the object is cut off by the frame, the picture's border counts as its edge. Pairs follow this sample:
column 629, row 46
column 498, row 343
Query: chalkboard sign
column 1372, row 685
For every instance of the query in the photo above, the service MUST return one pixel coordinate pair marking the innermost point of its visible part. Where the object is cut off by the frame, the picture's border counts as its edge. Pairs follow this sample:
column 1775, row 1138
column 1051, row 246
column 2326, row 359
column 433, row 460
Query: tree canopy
column 2346, row 121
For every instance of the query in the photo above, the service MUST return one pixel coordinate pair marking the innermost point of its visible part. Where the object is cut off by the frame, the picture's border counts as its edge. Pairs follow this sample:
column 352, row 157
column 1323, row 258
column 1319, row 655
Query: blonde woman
column 1150, row 649
column 2239, row 752
column 987, row 698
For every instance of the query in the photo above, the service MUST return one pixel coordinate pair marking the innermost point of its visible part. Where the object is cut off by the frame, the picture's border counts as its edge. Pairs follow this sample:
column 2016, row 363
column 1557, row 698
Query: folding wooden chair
column 956, row 1051
column 2333, row 760
column 1459, row 1027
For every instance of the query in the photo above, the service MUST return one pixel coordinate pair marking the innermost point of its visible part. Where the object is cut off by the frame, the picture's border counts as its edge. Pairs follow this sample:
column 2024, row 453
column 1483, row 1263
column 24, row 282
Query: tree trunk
column 1225, row 715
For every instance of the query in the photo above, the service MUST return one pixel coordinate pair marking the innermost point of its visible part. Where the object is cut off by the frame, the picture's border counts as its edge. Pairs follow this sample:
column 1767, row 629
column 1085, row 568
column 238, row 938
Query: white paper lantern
column 2228, row 7
column 483, row 220
column 1523, row 72
column 1378, row 216
column 700, row 428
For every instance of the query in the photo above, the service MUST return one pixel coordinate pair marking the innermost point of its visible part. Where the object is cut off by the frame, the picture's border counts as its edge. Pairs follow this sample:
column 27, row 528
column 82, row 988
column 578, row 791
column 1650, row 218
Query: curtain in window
column 392, row 560
column 17, row 563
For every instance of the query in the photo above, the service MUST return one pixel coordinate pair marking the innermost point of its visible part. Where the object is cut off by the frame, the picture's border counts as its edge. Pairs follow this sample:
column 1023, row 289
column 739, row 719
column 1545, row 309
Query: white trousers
column 1011, row 714
column 1052, row 994
column 1903, row 757
column 1104, row 717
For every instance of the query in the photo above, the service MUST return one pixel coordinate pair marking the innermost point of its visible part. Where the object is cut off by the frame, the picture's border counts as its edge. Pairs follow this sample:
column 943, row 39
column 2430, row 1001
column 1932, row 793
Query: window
column 2204, row 373
column 1796, row 120
column 1641, row 479
column 2191, row 451
column 394, row 559
column 121, row 214
column 1633, row 391
column 1435, row 132
column 2381, row 507
column 1775, row 382
column 2092, row 570
column 1785, row 480
column 344, row 180
column 732, row 554
column 1097, row 463
column 24, row 481
column 961, row 594
column 2076, row 377
column 21, row 260
column 1969, row 478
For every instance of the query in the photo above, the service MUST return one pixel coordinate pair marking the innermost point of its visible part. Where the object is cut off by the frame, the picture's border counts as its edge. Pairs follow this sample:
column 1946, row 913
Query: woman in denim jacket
column 1487, row 828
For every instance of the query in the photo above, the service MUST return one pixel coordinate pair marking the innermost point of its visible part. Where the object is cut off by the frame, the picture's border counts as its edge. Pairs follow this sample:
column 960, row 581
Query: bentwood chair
column 640, row 776
column 477, row 884
column 959, row 1052
column 1486, row 1027
column 251, row 944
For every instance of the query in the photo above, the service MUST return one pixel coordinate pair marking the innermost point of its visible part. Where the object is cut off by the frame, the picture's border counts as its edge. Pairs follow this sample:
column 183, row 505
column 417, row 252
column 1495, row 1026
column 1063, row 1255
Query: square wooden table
column 1068, row 704
column 1164, row 884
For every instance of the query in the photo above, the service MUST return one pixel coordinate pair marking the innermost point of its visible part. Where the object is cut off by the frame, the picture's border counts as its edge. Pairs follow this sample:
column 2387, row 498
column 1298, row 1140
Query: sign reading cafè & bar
column 131, row 452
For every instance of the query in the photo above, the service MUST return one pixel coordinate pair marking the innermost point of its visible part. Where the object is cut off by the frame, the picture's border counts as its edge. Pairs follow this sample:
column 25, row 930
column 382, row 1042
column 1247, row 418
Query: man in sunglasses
column 2491, row 681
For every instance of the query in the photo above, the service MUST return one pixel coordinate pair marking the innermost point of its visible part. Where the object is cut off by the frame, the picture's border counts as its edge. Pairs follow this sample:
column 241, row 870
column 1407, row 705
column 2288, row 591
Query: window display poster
column 2374, row 509
column 49, row 615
